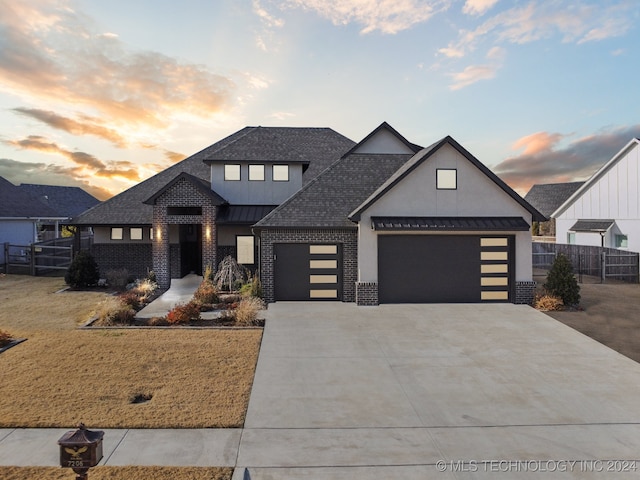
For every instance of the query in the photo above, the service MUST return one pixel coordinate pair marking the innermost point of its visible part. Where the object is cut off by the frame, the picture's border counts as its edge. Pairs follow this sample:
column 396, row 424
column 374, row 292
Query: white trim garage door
column 445, row 268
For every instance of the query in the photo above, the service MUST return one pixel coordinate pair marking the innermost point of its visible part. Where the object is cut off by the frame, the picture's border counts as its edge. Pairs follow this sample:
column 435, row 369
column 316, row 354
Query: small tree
column 561, row 281
column 229, row 274
column 83, row 270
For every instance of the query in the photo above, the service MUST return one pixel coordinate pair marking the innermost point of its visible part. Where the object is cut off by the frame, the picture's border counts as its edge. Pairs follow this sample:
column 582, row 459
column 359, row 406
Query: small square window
column 571, row 238
column 446, row 179
column 281, row 173
column 256, row 173
column 136, row 233
column 245, row 249
column 116, row 233
column 232, row 173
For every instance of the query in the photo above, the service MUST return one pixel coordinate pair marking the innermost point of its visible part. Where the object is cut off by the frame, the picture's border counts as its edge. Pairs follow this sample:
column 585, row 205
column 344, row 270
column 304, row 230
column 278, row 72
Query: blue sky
column 104, row 94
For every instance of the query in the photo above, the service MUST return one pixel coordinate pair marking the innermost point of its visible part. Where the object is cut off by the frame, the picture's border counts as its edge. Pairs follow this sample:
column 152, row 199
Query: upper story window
column 446, row 179
column 135, row 233
column 281, row 173
column 232, row 172
column 256, row 173
column 117, row 233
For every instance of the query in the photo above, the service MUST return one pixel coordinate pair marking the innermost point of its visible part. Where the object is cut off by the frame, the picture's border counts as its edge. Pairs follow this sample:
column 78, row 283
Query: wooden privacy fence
column 42, row 257
column 600, row 262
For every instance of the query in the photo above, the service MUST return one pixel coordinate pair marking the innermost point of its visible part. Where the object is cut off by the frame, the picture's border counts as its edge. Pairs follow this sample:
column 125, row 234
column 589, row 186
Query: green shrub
column 253, row 288
column 83, row 271
column 561, row 282
column 183, row 313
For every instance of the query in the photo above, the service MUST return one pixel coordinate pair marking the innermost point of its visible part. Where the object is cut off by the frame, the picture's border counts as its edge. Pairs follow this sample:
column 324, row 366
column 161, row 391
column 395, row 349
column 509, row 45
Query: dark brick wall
column 136, row 258
column 525, row 292
column 345, row 237
column 367, row 293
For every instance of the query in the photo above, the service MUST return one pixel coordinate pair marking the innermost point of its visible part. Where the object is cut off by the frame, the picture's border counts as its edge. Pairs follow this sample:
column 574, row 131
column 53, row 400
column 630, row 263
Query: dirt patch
column 610, row 315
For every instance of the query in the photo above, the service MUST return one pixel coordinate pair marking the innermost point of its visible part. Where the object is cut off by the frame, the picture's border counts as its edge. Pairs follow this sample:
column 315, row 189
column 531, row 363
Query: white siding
column 614, row 195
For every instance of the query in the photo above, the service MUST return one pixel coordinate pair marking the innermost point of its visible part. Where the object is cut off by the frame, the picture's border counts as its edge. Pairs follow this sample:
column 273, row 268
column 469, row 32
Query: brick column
column 160, row 248
column 209, row 237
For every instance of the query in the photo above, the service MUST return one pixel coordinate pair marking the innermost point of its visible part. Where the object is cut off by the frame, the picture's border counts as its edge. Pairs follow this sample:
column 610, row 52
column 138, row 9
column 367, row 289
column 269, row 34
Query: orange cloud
column 537, row 142
column 87, row 126
column 174, row 157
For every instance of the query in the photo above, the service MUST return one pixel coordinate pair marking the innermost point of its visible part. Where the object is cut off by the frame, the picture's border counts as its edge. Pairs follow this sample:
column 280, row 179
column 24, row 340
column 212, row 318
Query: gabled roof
column 384, row 126
column 423, row 156
column 321, row 145
column 596, row 176
column 547, row 197
column 327, row 200
column 18, row 203
column 201, row 185
column 67, row 201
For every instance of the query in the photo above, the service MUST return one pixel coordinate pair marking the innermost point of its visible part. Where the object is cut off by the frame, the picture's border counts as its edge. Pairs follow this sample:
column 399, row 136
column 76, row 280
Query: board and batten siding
column 613, row 194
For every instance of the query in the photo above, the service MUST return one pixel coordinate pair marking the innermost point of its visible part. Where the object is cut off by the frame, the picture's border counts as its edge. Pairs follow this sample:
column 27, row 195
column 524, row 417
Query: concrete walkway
column 181, row 291
column 412, row 392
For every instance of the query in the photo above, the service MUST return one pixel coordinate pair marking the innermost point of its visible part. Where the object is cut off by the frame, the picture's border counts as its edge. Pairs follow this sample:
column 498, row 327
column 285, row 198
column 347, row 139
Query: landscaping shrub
column 246, row 312
column 144, row 289
column 118, row 278
column 561, row 282
column 183, row 313
column 206, row 294
column 131, row 299
column 230, row 274
column 115, row 312
column 83, row 271
column 5, row 338
column 548, row 303
column 252, row 288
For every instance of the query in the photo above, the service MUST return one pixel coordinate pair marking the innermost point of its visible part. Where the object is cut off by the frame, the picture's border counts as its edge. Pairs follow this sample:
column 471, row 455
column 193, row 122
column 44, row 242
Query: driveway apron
column 436, row 391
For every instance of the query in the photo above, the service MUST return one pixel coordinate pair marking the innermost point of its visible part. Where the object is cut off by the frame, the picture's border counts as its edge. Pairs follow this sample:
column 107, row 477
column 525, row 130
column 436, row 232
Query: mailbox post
column 80, row 450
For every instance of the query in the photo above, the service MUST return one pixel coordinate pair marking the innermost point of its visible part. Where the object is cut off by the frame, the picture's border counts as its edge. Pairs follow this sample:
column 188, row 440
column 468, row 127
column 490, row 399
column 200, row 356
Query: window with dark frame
column 232, row 172
column 117, row 233
column 256, row 173
column 446, row 179
column 135, row 233
column 281, row 173
column 245, row 249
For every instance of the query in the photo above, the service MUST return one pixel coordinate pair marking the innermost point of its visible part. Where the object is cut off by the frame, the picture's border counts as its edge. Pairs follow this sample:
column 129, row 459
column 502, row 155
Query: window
column 622, row 241
column 256, row 173
column 571, row 238
column 135, row 233
column 232, row 173
column 446, row 179
column 245, row 249
column 116, row 233
column 281, row 173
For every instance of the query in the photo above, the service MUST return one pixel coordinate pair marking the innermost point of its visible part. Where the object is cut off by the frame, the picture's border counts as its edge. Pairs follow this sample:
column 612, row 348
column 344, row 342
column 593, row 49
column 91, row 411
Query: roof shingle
column 549, row 196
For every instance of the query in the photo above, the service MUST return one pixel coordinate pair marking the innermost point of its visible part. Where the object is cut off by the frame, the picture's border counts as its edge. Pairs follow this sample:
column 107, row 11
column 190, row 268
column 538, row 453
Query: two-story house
column 323, row 218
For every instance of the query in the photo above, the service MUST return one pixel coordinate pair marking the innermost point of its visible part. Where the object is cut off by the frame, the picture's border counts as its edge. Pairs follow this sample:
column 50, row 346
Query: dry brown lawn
column 118, row 473
column 61, row 376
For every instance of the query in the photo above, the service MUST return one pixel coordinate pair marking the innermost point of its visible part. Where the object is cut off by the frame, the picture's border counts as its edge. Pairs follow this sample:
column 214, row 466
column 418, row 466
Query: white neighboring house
column 605, row 211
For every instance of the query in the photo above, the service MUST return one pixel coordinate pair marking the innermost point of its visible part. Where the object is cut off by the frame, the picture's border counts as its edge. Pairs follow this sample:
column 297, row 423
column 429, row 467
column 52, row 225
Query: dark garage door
column 444, row 268
column 307, row 271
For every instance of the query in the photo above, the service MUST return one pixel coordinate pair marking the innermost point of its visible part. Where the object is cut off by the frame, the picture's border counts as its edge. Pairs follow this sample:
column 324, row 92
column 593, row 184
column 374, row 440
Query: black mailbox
column 81, row 449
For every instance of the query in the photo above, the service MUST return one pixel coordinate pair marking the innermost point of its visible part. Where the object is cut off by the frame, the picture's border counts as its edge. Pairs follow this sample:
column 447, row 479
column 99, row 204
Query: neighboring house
column 22, row 216
column 546, row 198
column 381, row 221
column 605, row 211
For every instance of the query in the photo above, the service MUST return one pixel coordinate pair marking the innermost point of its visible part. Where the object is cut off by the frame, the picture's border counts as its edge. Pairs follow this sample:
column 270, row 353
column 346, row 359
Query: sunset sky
column 103, row 94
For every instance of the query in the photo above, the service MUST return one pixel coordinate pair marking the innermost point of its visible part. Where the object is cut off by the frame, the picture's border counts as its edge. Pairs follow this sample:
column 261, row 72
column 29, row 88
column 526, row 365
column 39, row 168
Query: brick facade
column 367, row 293
column 136, row 258
column 182, row 194
column 345, row 237
column 525, row 292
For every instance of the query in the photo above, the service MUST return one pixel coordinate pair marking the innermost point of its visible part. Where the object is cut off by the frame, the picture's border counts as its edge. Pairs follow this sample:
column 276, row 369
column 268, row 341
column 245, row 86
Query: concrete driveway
column 437, row 391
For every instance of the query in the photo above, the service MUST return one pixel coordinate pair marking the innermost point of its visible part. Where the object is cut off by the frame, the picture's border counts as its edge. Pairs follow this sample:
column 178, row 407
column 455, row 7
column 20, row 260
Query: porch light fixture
column 208, row 233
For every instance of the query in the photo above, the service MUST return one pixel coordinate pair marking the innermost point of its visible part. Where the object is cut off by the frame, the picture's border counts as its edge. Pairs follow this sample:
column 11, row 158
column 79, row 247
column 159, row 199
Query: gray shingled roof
column 598, row 225
column 67, row 201
column 18, row 203
column 548, row 197
column 320, row 145
column 330, row 197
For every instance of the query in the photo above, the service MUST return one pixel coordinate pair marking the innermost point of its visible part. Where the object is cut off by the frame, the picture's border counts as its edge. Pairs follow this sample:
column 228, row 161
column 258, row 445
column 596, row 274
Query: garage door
column 444, row 268
column 307, row 271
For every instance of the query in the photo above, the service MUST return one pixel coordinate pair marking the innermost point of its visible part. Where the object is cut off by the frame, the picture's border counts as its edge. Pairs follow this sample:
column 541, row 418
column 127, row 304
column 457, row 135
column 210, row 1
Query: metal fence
column 42, row 257
column 599, row 262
